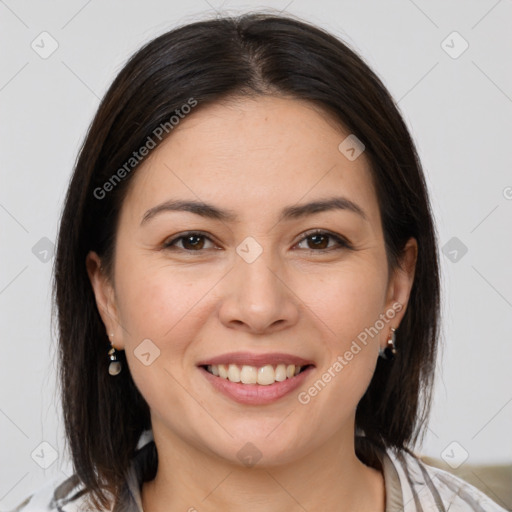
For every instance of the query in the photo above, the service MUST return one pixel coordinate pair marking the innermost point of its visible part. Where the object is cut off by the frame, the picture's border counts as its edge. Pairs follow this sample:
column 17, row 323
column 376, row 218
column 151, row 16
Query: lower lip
column 256, row 394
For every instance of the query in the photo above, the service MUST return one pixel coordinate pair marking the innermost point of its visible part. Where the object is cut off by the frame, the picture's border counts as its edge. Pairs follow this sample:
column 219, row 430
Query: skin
column 254, row 157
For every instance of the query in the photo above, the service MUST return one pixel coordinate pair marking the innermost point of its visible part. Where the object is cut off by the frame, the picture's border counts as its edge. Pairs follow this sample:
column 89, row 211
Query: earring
column 114, row 368
column 389, row 352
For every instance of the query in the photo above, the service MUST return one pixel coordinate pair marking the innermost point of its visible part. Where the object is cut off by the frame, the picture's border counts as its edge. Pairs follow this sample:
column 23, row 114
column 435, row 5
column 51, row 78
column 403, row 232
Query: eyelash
column 342, row 243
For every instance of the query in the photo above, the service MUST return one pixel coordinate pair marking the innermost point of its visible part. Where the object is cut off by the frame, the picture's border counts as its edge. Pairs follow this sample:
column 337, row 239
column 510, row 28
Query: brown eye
column 191, row 242
column 321, row 241
column 318, row 241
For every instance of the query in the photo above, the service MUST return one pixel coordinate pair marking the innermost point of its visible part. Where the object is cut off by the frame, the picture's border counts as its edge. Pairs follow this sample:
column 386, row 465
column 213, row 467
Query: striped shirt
column 411, row 486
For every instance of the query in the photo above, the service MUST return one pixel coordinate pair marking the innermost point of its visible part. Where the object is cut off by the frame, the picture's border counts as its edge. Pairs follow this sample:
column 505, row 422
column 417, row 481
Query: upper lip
column 249, row 359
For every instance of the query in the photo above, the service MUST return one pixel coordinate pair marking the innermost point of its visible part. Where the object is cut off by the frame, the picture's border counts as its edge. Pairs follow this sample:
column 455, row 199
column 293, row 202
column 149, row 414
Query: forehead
column 253, row 155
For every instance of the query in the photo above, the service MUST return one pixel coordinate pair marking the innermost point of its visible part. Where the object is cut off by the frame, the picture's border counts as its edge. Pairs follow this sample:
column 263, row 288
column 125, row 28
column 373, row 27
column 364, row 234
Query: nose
column 257, row 298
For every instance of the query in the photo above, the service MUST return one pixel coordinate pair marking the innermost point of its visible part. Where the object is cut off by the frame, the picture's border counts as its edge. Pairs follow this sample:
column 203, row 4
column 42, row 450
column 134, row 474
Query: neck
column 331, row 477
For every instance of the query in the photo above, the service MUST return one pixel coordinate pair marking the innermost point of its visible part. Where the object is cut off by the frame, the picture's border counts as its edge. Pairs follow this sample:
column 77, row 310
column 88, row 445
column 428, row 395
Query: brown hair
column 211, row 61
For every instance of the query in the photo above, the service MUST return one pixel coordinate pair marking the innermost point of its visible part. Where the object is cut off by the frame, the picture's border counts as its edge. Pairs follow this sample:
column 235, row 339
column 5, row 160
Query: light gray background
column 459, row 112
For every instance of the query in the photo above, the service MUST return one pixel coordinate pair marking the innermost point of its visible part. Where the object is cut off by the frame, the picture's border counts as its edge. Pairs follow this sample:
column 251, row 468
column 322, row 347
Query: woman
column 248, row 226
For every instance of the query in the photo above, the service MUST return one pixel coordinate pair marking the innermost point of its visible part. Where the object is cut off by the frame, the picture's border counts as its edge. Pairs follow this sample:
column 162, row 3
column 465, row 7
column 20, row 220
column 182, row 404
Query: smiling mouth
column 262, row 375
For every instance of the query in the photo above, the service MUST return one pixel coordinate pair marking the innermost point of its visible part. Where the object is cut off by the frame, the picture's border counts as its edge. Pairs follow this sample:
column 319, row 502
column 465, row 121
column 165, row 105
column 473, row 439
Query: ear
column 400, row 283
column 105, row 299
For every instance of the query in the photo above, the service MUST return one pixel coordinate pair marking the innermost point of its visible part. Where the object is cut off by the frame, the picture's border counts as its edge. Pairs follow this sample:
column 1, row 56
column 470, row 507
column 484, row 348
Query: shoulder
column 426, row 485
column 57, row 495
column 70, row 495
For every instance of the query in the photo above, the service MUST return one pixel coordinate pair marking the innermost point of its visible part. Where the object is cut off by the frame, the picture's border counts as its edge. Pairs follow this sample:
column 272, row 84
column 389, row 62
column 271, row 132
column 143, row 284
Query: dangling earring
column 114, row 368
column 389, row 352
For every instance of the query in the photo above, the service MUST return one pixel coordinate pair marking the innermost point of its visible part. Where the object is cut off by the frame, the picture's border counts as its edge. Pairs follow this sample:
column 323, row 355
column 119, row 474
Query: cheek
column 168, row 307
column 347, row 300
column 158, row 300
column 347, row 306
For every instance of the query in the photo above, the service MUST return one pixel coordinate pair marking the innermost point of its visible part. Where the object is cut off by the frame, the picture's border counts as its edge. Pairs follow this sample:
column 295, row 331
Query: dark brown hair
column 213, row 60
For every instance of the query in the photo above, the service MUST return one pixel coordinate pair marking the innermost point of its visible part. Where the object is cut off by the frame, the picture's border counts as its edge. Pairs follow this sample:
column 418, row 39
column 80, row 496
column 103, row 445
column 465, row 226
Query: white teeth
column 223, row 371
column 234, row 373
column 281, row 372
column 248, row 375
column 263, row 375
column 266, row 375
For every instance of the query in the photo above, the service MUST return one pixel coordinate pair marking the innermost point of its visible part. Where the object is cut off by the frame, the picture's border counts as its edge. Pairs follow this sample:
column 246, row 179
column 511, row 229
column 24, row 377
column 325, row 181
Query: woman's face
column 251, row 276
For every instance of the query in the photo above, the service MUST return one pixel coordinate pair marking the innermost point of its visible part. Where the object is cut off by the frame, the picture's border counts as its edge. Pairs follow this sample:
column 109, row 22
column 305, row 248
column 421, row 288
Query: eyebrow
column 288, row 213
